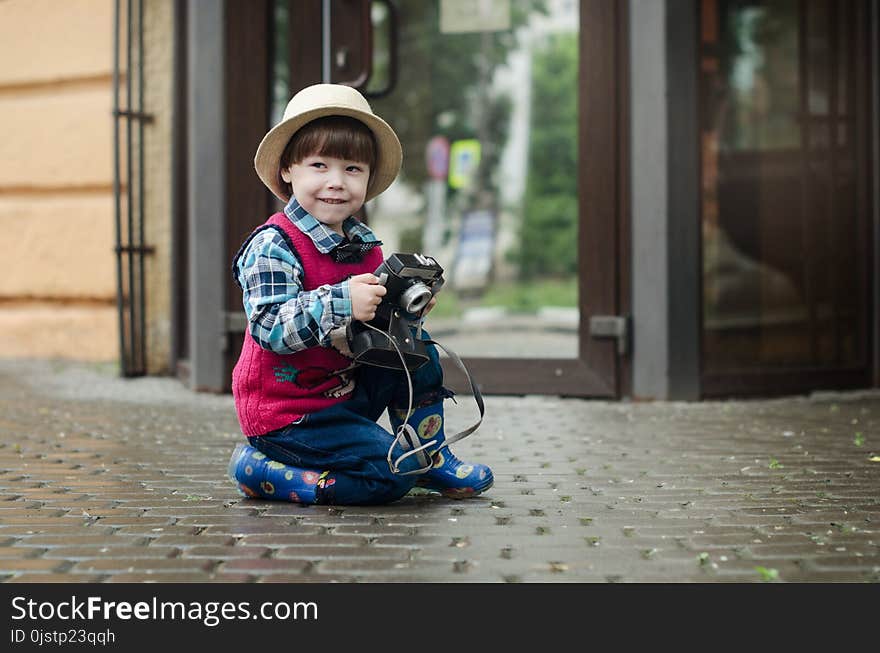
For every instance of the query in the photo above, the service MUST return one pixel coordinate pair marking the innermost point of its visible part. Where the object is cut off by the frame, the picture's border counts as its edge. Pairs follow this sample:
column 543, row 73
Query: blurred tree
column 550, row 209
column 443, row 87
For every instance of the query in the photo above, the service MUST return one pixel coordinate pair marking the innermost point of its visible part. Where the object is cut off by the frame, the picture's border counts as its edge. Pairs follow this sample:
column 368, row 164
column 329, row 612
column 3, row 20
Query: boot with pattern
column 448, row 475
column 258, row 476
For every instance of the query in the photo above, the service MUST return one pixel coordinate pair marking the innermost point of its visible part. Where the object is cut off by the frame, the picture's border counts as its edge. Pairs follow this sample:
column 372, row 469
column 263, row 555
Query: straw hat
column 328, row 100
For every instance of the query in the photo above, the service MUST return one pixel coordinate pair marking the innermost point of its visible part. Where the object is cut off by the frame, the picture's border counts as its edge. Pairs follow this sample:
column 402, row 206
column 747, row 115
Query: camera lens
column 415, row 298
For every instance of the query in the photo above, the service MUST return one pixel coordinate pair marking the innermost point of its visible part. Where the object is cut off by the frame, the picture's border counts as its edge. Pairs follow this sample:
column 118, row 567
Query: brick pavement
column 111, row 480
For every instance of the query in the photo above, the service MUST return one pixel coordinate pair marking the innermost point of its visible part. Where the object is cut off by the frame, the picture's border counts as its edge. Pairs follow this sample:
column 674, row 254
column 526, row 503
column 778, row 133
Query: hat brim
column 389, row 155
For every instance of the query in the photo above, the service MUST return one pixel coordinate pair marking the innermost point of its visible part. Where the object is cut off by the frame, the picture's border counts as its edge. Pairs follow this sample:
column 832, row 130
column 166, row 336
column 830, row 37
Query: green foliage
column 441, row 86
column 548, row 238
column 529, row 297
column 549, row 235
column 767, row 574
column 448, row 306
column 524, row 297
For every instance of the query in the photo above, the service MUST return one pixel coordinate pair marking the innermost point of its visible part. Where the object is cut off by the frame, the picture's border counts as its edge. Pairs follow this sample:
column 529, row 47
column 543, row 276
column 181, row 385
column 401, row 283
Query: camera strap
column 475, row 391
column 406, row 436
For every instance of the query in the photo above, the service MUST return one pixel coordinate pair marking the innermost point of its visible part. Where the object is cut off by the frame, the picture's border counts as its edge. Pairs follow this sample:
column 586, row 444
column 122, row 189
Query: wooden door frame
column 603, row 190
column 248, row 203
column 604, row 234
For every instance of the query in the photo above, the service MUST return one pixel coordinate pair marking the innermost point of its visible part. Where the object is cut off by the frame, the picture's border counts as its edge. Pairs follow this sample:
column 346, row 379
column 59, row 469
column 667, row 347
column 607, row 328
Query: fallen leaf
column 767, row 574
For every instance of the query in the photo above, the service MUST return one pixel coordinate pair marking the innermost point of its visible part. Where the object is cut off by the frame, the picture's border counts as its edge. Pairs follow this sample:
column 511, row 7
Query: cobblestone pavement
column 108, row 480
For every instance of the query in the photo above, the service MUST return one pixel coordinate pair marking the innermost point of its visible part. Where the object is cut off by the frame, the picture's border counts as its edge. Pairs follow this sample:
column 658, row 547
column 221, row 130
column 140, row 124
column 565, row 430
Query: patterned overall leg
column 258, row 476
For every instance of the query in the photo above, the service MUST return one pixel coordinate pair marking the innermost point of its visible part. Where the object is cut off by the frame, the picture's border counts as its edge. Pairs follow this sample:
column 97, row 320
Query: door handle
column 612, row 326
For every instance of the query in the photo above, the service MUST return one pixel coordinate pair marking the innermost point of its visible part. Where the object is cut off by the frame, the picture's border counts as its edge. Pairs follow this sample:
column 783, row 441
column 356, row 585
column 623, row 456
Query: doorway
column 512, row 176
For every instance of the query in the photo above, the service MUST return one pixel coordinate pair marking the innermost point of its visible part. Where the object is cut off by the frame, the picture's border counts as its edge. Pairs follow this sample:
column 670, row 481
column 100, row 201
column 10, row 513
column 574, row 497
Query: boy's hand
column 366, row 294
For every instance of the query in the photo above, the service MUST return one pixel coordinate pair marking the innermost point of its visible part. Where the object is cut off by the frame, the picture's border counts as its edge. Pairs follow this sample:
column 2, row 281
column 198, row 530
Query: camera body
column 411, row 280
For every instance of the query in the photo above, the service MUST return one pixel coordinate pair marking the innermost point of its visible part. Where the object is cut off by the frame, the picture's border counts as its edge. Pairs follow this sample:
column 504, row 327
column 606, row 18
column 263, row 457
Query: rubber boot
column 258, row 476
column 448, row 475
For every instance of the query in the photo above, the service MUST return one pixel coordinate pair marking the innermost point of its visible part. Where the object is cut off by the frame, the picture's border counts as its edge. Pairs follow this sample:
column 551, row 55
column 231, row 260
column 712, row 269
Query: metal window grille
column 128, row 183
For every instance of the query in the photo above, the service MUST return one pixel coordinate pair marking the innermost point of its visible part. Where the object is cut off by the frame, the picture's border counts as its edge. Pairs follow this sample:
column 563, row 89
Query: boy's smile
column 330, row 189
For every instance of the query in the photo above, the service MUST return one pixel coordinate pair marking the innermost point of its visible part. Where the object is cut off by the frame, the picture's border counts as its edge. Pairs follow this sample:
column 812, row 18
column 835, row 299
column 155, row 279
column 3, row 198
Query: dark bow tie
column 352, row 252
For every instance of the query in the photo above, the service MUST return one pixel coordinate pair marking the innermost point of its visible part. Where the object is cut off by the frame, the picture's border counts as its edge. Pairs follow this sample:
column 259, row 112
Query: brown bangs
column 338, row 136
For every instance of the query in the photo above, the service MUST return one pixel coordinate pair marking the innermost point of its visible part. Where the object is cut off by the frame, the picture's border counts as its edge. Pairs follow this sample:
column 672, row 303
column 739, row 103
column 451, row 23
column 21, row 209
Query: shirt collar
column 324, row 237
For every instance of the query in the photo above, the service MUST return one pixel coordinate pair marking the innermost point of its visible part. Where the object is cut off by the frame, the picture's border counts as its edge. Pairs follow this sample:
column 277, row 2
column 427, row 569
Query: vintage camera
column 412, row 280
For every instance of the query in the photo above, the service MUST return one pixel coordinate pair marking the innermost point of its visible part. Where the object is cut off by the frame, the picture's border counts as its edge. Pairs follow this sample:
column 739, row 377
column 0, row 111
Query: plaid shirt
column 282, row 317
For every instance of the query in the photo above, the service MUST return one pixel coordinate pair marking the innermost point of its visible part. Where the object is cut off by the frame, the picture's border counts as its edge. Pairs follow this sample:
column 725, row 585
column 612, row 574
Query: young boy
column 309, row 414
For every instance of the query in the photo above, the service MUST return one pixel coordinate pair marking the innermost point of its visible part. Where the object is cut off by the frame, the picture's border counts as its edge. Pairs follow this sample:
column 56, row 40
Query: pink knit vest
column 273, row 390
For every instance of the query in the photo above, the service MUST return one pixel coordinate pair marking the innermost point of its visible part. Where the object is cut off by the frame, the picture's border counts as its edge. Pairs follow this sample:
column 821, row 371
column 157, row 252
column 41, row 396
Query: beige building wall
column 58, row 287
column 57, row 225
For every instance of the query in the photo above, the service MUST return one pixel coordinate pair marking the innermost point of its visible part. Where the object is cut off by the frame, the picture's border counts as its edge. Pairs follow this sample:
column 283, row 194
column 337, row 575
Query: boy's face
column 330, row 189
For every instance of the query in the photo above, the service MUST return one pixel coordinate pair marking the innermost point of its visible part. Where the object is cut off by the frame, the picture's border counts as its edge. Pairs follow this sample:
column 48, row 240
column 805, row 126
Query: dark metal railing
column 130, row 248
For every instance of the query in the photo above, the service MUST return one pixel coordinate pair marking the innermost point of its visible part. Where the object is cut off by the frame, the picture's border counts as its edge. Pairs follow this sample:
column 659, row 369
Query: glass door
column 785, row 212
column 486, row 105
column 489, row 101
